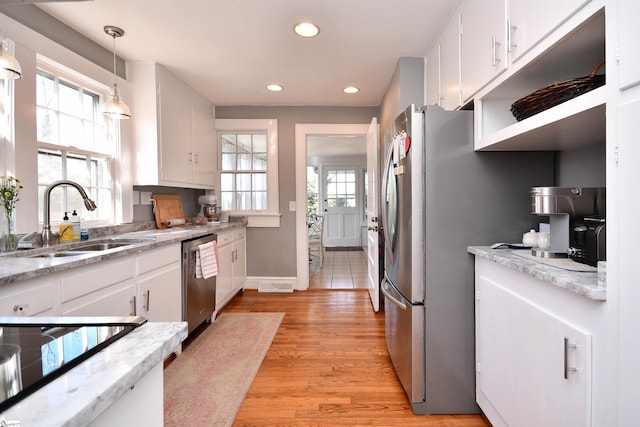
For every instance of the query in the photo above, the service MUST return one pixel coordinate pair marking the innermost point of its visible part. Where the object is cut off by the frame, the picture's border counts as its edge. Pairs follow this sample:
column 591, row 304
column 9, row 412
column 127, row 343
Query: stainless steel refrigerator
column 438, row 197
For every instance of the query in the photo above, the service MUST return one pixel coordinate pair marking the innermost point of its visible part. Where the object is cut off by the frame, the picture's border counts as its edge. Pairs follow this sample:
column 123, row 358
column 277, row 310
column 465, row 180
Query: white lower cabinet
column 535, row 354
column 233, row 268
column 104, row 289
column 32, row 297
column 147, row 284
column 159, row 279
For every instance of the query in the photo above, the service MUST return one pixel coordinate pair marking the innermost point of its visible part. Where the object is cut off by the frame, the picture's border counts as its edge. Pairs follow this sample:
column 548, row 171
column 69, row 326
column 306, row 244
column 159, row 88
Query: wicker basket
column 556, row 93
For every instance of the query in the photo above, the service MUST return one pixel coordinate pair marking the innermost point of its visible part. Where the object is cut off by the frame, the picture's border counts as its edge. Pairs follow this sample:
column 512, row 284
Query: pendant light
column 9, row 65
column 114, row 107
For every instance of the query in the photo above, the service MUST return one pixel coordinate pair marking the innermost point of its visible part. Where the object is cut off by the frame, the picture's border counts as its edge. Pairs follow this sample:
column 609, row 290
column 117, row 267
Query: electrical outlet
column 135, row 196
column 292, row 205
column 145, row 197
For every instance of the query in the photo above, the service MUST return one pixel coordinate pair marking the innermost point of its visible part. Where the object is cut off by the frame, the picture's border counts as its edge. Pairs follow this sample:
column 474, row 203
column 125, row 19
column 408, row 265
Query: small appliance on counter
column 209, row 207
column 587, row 238
column 567, row 209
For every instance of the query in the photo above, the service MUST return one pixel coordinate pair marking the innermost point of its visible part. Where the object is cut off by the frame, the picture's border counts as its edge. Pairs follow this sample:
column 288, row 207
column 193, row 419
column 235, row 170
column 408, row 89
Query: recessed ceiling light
column 274, row 88
column 351, row 89
column 306, row 29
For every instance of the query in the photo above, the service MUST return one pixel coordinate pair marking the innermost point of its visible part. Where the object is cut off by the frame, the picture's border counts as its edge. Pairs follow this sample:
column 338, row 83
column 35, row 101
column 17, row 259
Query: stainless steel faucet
column 47, row 234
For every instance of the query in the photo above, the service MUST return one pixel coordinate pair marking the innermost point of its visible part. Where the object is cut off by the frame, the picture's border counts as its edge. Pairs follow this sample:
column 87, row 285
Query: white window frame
column 112, row 130
column 270, row 217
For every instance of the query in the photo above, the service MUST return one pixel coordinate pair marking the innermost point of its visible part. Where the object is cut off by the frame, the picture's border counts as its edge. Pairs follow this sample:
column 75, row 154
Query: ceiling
column 229, row 50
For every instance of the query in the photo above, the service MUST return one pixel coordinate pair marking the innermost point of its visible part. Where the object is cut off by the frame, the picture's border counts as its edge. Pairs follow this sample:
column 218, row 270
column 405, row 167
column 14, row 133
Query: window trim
column 270, row 217
column 67, row 75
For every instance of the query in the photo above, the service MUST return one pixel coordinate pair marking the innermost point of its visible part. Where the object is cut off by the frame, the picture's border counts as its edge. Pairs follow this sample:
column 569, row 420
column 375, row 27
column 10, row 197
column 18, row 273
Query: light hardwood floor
column 328, row 366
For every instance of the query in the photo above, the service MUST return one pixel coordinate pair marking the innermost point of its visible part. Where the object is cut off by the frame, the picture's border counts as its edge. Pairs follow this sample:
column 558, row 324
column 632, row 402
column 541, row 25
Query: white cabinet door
column 525, row 369
column 450, row 64
column 224, row 279
column 239, row 260
column 433, row 76
column 115, row 300
column 160, row 294
column 530, row 21
column 484, row 46
column 203, row 142
column 30, row 298
column 159, row 278
column 629, row 42
column 175, row 129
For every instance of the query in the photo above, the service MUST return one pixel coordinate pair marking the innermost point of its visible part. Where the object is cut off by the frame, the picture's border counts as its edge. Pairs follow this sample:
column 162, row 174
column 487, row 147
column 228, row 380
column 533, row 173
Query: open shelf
column 575, row 123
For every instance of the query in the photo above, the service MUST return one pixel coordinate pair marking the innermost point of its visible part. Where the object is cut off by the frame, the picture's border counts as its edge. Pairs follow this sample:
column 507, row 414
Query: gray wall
column 272, row 251
column 405, row 88
column 583, row 167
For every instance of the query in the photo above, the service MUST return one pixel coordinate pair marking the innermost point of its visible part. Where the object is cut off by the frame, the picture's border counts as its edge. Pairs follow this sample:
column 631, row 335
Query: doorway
column 326, row 137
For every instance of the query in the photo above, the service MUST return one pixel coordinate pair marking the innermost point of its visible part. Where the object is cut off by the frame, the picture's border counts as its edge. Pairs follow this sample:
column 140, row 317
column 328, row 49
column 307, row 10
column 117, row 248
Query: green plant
column 9, row 190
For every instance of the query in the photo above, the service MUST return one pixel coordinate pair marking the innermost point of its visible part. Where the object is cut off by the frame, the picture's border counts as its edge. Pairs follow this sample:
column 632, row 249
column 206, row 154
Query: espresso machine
column 209, row 207
column 577, row 221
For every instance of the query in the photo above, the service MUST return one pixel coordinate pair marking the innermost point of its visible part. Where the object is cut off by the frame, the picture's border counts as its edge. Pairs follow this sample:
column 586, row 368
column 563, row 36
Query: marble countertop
column 590, row 284
column 83, row 393
column 17, row 266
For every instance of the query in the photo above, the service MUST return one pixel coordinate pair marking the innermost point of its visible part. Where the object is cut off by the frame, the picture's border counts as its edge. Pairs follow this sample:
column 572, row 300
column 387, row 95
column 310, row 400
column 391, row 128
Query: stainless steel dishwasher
column 198, row 295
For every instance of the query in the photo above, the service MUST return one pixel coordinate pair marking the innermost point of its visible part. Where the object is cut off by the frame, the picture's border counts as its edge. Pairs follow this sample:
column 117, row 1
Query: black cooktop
column 33, row 354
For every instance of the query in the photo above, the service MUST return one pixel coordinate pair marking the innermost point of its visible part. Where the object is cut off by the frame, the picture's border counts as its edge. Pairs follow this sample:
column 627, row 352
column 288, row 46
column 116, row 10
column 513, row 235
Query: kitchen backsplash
column 143, row 209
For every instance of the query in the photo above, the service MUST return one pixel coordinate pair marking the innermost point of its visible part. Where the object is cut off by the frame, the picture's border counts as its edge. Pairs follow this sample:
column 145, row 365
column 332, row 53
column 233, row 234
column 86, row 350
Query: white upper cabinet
column 173, row 130
column 530, row 21
column 484, row 43
column 629, row 45
column 433, row 76
column 450, row 64
column 571, row 51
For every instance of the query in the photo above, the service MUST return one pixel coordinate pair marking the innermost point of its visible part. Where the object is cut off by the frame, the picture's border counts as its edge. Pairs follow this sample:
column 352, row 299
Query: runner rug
column 207, row 383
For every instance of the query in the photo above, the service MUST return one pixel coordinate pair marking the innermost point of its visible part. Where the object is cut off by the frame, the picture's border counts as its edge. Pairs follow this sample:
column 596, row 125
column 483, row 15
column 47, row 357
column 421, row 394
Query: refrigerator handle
column 387, row 289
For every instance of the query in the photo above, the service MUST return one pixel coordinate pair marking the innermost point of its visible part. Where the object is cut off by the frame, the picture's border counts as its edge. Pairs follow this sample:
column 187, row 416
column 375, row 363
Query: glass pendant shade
column 9, row 66
column 114, row 107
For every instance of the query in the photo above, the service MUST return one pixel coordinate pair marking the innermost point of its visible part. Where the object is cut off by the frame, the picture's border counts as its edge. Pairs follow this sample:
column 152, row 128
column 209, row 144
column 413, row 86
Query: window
column 341, row 188
column 248, row 164
column 74, row 143
column 243, row 176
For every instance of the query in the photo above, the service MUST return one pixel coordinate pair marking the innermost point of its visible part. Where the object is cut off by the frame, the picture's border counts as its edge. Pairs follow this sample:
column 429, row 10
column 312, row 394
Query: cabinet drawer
column 238, row 234
column 224, row 238
column 157, row 258
column 95, row 277
column 29, row 299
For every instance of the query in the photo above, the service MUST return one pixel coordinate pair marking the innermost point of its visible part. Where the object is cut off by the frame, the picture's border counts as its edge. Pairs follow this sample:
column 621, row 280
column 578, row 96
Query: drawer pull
column 567, row 369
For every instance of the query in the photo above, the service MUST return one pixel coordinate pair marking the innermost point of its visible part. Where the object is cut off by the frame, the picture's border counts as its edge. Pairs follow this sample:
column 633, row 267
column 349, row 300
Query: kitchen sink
column 102, row 246
column 87, row 248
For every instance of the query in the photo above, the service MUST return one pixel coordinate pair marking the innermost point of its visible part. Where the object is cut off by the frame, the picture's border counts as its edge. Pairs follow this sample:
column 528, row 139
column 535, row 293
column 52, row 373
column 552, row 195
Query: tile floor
column 340, row 270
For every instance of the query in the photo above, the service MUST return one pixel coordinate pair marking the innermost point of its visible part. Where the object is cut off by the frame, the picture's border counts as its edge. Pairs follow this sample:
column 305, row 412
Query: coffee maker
column 576, row 218
column 209, row 207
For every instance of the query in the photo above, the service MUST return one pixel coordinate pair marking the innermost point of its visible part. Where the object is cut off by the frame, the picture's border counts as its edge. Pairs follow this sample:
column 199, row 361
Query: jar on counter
column 530, row 238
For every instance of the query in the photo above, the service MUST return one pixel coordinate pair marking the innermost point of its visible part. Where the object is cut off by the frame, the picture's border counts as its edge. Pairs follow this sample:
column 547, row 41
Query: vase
column 8, row 239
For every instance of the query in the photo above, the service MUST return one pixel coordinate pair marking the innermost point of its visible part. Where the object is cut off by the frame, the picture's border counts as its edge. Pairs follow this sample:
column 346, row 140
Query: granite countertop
column 17, row 266
column 79, row 396
column 590, row 283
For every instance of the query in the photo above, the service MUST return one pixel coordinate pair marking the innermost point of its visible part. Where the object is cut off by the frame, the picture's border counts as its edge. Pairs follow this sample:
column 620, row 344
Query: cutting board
column 166, row 207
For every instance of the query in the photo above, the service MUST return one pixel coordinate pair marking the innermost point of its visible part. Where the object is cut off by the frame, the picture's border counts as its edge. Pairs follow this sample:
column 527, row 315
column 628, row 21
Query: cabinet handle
column 494, row 51
column 148, row 300
column 19, row 308
column 510, row 44
column 190, row 157
column 195, row 158
column 135, row 306
column 567, row 346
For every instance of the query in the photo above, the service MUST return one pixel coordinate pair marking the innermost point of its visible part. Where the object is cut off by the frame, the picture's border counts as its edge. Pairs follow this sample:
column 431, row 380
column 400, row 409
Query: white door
column 373, row 276
column 341, row 206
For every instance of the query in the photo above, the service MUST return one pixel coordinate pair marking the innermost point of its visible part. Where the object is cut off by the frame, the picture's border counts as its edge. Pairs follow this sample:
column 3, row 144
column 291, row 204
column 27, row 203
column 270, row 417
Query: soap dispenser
column 75, row 222
column 66, row 229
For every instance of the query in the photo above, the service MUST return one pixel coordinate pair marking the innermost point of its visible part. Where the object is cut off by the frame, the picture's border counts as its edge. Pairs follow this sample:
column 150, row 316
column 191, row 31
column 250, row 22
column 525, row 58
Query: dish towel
column 207, row 260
